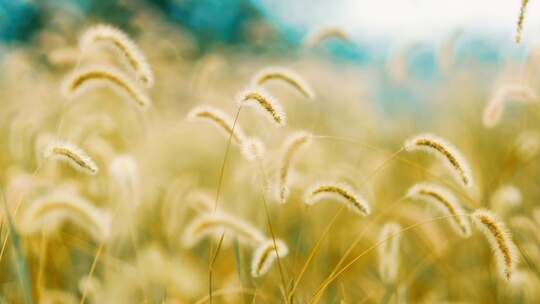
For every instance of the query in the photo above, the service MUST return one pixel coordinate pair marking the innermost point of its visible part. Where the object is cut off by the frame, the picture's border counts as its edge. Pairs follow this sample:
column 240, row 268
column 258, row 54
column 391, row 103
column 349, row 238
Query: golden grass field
column 135, row 171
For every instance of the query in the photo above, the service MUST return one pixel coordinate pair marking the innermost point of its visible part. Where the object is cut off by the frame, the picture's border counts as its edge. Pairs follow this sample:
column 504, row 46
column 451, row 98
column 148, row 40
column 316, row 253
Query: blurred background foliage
column 255, row 26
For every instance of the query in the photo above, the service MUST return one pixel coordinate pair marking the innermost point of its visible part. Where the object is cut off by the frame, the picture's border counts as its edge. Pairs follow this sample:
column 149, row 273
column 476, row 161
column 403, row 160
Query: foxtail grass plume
column 446, row 202
column 495, row 107
column 499, row 239
column 339, row 192
column 265, row 254
column 315, row 37
column 41, row 142
column 220, row 119
column 49, row 211
column 125, row 174
column 264, row 103
column 286, row 75
column 216, row 223
column 63, row 56
column 294, row 143
column 445, row 151
column 84, row 79
column 253, row 149
column 129, row 51
column 521, row 18
column 91, row 285
column 388, row 251
column 445, row 56
column 73, row 155
column 201, row 201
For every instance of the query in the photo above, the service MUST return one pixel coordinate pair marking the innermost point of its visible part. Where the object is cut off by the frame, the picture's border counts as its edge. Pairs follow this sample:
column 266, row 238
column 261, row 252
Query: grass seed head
column 127, row 49
column 499, row 239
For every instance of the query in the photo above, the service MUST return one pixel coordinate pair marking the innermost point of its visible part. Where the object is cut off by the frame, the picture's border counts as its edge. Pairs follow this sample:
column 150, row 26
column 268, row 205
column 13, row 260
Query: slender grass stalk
column 99, row 251
column 405, row 161
column 212, row 261
column 264, row 182
column 521, row 18
column 231, row 291
column 331, row 223
column 42, row 262
column 20, row 259
column 218, row 192
column 320, row 290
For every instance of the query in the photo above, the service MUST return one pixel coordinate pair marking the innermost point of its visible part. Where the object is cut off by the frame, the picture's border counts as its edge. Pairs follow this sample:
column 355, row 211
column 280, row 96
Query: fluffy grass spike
column 388, row 252
column 494, row 109
column 127, row 48
column 499, row 239
column 521, row 18
column 286, row 75
column 340, row 192
column 81, row 80
column 446, row 202
column 294, row 143
column 48, row 212
column 124, row 171
column 201, row 201
column 220, row 119
column 266, row 104
column 214, row 224
column 265, row 255
column 253, row 149
column 445, row 151
column 73, row 155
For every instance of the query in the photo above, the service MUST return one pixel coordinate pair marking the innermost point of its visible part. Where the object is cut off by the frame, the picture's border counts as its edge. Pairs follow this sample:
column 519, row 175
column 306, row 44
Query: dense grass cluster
column 135, row 171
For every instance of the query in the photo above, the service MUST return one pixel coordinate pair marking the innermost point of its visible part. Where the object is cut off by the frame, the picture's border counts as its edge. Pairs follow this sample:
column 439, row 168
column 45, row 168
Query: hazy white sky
column 409, row 18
